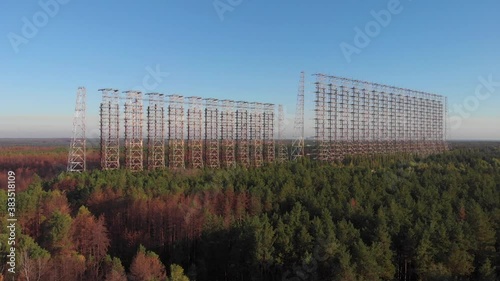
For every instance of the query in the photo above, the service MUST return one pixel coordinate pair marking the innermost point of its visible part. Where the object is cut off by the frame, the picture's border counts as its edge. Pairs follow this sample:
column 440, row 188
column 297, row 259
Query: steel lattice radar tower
column 212, row 133
column 77, row 150
column 256, row 125
column 282, row 150
column 110, row 129
column 156, row 131
column 195, row 132
column 133, row 131
column 355, row 117
column 227, row 131
column 176, row 131
column 298, row 142
column 351, row 117
column 242, row 134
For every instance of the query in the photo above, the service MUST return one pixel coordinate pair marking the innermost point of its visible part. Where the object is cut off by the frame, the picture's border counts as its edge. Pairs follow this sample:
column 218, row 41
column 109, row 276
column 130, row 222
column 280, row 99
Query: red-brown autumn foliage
column 146, row 266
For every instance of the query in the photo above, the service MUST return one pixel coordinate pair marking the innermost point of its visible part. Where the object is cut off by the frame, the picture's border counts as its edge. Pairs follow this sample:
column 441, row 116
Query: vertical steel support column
column 406, row 124
column 354, row 119
column 400, row 135
column 212, row 149
column 392, row 145
column 298, row 142
column 156, row 131
column 444, row 113
column 228, row 133
column 282, row 149
column 176, row 132
column 256, row 133
column 321, row 140
column 77, row 156
column 268, row 133
column 366, row 138
column 374, row 122
column 110, row 132
column 242, row 134
column 330, row 125
column 413, row 124
column 133, row 131
column 195, row 132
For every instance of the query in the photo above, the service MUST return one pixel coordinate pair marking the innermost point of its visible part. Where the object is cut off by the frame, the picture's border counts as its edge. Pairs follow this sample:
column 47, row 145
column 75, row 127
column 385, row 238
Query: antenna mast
column 77, row 150
column 298, row 142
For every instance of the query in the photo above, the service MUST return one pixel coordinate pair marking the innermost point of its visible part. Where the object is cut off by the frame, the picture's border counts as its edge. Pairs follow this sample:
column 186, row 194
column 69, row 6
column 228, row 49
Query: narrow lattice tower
column 156, row 131
column 212, row 148
column 242, row 134
column 176, row 132
column 77, row 149
column 195, row 132
column 282, row 151
column 227, row 133
column 133, row 131
column 321, row 121
column 256, row 133
column 110, row 129
column 268, row 133
column 298, row 142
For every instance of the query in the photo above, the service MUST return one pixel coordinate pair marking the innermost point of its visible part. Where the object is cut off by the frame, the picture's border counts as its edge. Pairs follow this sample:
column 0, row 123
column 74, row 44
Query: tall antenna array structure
column 133, row 131
column 212, row 148
column 298, row 142
column 110, row 129
column 355, row 117
column 77, row 150
column 195, row 132
column 242, row 133
column 156, row 131
column 256, row 133
column 352, row 117
column 445, row 124
column 227, row 133
column 282, row 150
column 322, row 121
column 268, row 133
column 176, row 131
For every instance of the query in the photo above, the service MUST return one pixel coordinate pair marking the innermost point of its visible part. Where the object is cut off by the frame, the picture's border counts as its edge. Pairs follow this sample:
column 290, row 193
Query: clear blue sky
column 254, row 52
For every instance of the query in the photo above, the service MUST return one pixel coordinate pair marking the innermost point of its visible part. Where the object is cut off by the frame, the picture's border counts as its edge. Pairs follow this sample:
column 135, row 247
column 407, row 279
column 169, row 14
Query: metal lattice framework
column 256, row 125
column 268, row 133
column 212, row 148
column 156, row 131
column 219, row 132
column 298, row 142
column 133, row 131
column 355, row 117
column 176, row 131
column 321, row 123
column 195, row 132
column 282, row 155
column 352, row 117
column 228, row 133
column 77, row 161
column 242, row 134
column 110, row 132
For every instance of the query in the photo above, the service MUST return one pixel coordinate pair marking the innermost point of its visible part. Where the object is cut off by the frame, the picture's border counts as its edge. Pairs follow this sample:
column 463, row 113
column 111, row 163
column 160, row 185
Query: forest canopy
column 383, row 218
